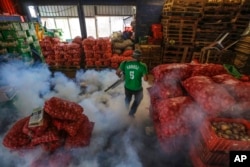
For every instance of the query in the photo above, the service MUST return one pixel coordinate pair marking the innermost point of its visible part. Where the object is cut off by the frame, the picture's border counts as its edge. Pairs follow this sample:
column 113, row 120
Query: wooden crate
column 176, row 54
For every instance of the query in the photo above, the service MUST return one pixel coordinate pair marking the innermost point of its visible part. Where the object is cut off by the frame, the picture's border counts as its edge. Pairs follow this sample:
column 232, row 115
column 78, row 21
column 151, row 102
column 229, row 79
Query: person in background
column 133, row 70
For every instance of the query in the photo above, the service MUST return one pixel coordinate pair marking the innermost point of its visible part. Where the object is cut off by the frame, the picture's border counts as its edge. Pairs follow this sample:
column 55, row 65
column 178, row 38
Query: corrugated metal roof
column 114, row 10
column 58, row 11
column 89, row 10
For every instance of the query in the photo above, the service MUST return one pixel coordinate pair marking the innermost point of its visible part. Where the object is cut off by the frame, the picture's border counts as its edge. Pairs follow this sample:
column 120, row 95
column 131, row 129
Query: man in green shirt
column 133, row 71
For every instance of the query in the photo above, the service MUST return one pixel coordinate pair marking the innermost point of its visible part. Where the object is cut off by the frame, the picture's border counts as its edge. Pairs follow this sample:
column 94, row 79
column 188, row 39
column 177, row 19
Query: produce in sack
column 212, row 97
column 174, row 71
column 238, row 89
column 63, row 109
column 37, row 130
column 170, row 115
column 166, row 90
column 77, row 40
column 82, row 138
column 127, row 53
column 208, row 69
column 231, row 130
column 224, row 78
column 50, row 135
column 89, row 41
column 170, row 129
column 53, row 145
column 123, row 44
column 15, row 138
column 71, row 127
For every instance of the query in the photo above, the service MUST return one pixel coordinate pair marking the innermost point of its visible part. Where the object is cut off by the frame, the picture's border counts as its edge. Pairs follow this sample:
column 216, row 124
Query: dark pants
column 138, row 95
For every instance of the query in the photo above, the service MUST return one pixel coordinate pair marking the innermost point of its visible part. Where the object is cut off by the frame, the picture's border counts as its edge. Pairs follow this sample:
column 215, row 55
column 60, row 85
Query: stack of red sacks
column 116, row 59
column 68, row 54
column 64, row 125
column 47, row 45
column 97, row 52
column 182, row 95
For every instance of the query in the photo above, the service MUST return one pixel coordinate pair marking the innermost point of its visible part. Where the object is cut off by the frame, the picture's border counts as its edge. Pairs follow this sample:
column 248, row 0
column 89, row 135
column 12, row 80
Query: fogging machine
column 115, row 84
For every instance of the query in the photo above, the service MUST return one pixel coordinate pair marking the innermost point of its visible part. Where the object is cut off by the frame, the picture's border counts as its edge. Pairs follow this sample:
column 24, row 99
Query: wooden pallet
column 182, row 9
column 185, row 3
column 181, row 14
column 61, row 67
column 179, row 21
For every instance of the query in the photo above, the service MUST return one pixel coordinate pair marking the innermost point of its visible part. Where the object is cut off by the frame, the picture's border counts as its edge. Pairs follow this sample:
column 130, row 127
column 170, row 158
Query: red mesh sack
column 208, row 70
column 77, row 40
column 172, row 71
column 82, row 138
column 53, row 146
column 127, row 53
column 15, row 138
column 212, row 97
column 38, row 130
column 166, row 90
column 49, row 136
column 62, row 109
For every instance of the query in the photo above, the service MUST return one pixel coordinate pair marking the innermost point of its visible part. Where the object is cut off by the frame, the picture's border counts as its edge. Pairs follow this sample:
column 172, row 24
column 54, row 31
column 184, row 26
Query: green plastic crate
column 34, row 38
column 12, row 50
column 6, row 26
column 9, row 34
column 6, row 44
column 22, row 43
column 31, row 32
column 16, row 26
column 21, row 34
column 24, row 26
column 24, row 50
column 31, row 26
column 29, row 40
column 36, row 44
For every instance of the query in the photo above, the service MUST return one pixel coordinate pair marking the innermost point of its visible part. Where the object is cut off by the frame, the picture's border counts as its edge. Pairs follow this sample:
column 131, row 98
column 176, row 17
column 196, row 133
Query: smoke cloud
column 116, row 139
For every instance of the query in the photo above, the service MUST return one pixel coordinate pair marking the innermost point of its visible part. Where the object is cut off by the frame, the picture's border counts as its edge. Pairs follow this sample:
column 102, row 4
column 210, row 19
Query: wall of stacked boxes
column 17, row 40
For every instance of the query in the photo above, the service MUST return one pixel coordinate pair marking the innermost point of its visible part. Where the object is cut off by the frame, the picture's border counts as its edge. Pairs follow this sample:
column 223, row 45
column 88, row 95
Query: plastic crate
column 216, row 143
column 6, row 26
column 24, row 26
column 21, row 34
column 9, row 35
column 16, row 26
column 196, row 160
column 31, row 32
column 211, row 158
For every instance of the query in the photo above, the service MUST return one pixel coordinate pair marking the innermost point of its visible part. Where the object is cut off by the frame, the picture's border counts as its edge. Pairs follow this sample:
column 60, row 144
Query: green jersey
column 133, row 73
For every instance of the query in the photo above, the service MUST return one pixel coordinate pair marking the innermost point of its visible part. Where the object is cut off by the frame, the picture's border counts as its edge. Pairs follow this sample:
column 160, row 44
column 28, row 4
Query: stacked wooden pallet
column 195, row 24
column 151, row 55
column 217, row 18
column 180, row 20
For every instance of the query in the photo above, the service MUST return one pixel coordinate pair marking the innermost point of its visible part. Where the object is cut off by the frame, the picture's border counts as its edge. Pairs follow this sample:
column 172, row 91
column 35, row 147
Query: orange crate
column 216, row 143
column 196, row 160
column 211, row 158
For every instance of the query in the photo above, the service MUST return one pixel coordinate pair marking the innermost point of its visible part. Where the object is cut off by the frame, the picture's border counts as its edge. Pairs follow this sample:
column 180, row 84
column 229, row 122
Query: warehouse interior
column 63, row 105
